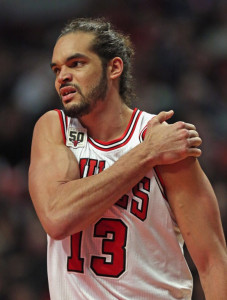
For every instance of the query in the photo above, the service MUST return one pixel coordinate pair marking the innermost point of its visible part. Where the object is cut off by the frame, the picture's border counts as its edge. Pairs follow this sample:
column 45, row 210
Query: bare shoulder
column 188, row 189
column 48, row 127
column 186, row 182
column 50, row 114
column 51, row 160
column 183, row 173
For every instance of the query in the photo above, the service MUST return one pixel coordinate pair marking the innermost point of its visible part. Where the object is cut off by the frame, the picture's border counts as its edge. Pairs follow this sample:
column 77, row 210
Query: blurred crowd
column 180, row 64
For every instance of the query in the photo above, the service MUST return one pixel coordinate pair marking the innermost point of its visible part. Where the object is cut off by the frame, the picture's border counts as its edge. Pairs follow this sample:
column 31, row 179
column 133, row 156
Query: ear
column 115, row 67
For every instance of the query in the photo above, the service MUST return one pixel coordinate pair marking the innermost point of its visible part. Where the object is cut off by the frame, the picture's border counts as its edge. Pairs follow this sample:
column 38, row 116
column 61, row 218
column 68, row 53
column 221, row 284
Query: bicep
column 195, row 207
column 52, row 167
column 52, row 164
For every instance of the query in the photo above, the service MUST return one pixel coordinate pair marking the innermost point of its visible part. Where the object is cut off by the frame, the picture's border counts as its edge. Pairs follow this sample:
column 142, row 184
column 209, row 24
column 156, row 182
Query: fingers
column 164, row 116
column 192, row 133
column 190, row 148
column 189, row 126
column 194, row 142
column 178, row 140
column 188, row 130
column 195, row 152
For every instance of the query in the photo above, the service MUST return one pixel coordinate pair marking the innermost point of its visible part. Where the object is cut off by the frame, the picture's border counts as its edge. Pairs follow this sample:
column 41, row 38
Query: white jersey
column 135, row 250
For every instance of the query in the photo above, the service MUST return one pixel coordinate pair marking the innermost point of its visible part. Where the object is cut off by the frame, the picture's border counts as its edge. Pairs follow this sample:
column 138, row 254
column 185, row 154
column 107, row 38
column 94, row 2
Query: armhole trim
column 142, row 134
column 160, row 183
column 64, row 123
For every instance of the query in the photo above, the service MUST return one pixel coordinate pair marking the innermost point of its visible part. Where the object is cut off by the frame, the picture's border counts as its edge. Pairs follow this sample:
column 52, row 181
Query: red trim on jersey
column 123, row 140
column 143, row 133
column 161, row 182
column 62, row 123
column 160, row 177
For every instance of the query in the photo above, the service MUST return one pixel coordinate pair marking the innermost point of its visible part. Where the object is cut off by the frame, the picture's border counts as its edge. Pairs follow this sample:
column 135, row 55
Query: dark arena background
column 181, row 63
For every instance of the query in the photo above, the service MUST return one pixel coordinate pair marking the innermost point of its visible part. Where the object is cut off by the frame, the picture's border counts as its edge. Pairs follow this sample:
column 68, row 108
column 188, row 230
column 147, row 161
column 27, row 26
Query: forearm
column 214, row 281
column 67, row 204
column 78, row 203
column 195, row 207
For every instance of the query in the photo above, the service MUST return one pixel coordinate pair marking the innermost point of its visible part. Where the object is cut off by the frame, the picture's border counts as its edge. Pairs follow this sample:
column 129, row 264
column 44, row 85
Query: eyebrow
column 74, row 56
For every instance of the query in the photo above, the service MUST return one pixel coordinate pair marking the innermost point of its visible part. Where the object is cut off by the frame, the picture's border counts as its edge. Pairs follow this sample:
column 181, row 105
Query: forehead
column 67, row 45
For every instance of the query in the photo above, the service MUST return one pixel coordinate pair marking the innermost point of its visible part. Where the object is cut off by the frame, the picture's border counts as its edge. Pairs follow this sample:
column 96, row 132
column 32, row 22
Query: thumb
column 164, row 116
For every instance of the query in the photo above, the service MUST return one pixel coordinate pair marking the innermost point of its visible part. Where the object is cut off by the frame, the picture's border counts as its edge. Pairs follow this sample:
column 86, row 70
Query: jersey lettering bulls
column 135, row 250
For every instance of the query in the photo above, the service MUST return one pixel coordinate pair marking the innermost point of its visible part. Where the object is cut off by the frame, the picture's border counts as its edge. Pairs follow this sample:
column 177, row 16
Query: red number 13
column 113, row 246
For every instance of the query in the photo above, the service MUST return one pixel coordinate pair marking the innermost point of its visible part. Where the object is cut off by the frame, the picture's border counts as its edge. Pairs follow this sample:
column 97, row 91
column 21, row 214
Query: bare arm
column 67, row 204
column 196, row 209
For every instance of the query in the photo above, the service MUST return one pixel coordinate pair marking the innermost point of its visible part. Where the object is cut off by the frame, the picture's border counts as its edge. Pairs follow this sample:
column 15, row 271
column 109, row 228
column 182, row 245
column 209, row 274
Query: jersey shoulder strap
column 64, row 123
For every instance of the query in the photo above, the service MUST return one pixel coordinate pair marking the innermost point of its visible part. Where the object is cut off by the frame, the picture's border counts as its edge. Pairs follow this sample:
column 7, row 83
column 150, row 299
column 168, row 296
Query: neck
column 108, row 120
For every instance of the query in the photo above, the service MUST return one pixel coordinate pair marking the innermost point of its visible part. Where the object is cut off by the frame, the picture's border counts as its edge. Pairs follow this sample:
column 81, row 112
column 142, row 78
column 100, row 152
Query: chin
column 76, row 111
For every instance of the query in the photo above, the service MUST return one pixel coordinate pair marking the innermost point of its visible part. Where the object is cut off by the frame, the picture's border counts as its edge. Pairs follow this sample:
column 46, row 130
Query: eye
column 56, row 70
column 77, row 63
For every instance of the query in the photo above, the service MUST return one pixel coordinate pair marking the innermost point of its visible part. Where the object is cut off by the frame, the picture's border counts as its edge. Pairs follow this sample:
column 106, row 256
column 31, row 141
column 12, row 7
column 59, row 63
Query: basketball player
column 117, row 190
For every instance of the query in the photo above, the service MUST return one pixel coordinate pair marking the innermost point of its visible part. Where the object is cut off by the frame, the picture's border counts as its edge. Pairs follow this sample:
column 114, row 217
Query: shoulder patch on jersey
column 76, row 137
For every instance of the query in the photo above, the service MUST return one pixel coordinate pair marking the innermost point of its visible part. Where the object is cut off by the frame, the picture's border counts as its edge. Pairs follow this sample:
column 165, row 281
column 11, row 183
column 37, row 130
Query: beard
column 88, row 101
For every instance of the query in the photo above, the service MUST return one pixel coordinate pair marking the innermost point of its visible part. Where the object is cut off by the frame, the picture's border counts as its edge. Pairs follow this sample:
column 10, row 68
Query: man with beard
column 117, row 190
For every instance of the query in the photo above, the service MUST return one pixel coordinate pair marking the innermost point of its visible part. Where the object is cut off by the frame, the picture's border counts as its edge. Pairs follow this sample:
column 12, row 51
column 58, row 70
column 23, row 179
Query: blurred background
column 181, row 63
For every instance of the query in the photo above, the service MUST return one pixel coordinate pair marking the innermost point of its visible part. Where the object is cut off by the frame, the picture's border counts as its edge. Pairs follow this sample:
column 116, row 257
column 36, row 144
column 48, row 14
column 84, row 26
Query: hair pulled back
column 107, row 44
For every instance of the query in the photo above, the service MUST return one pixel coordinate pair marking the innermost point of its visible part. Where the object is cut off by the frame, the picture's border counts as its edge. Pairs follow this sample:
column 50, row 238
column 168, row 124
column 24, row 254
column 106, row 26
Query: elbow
column 56, row 229
column 55, row 233
column 59, row 223
column 214, row 262
column 59, row 226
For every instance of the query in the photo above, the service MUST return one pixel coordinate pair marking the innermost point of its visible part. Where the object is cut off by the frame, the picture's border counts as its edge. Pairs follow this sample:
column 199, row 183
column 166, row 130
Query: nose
column 64, row 76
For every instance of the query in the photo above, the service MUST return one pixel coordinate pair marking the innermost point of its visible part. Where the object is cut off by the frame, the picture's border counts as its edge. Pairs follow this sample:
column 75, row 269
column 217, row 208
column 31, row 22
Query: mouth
column 67, row 93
